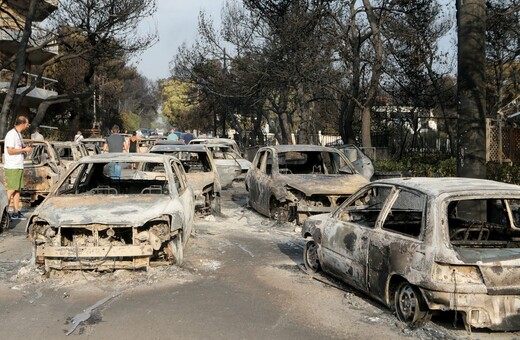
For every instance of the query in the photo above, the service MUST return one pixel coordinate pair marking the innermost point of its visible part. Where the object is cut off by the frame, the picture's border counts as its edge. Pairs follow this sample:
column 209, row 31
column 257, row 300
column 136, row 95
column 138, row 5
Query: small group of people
column 175, row 134
column 117, row 142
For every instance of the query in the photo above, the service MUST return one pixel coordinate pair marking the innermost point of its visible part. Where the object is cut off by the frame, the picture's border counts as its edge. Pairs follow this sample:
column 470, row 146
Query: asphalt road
column 242, row 279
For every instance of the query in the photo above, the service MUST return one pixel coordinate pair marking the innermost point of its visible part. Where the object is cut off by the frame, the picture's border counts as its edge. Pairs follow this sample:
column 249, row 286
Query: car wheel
column 4, row 221
column 310, row 257
column 279, row 211
column 409, row 305
column 177, row 249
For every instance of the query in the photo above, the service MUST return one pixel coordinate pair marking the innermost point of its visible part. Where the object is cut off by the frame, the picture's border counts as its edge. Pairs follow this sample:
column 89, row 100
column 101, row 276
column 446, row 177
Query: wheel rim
column 311, row 256
column 407, row 303
column 176, row 249
column 4, row 222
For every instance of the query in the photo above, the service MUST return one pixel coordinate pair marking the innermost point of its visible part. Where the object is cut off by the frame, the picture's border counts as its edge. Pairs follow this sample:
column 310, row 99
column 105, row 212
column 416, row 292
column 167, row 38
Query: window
column 366, row 207
column 491, row 222
column 406, row 214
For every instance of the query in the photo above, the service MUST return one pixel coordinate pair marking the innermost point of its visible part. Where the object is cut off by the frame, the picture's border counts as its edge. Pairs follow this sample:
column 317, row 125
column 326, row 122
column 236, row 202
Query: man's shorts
column 13, row 179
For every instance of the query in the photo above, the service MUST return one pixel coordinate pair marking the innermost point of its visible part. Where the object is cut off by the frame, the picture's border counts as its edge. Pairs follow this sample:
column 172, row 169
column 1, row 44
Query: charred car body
column 224, row 155
column 201, row 172
column 106, row 214
column 292, row 182
column 42, row 169
column 427, row 244
column 70, row 152
column 361, row 162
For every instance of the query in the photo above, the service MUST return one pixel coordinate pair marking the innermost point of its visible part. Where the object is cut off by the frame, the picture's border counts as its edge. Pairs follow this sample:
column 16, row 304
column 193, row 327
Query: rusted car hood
column 103, row 209
column 311, row 184
column 199, row 181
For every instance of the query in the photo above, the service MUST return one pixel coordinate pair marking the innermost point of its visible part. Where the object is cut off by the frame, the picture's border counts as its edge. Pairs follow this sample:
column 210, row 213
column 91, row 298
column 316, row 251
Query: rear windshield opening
column 484, row 223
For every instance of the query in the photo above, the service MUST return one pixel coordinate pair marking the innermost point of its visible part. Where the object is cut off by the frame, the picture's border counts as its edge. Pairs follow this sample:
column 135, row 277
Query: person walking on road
column 115, row 142
column 133, row 143
column 172, row 135
column 14, row 154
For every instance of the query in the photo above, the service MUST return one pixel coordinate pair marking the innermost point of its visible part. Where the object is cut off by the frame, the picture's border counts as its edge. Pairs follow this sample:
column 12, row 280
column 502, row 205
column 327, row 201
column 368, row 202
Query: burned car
column 423, row 245
column 107, row 214
column 292, row 182
column 94, row 145
column 201, row 172
column 361, row 162
column 42, row 169
column 224, row 155
column 70, row 152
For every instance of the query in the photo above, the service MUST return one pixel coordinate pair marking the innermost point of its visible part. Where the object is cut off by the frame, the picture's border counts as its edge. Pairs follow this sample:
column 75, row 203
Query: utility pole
column 471, row 92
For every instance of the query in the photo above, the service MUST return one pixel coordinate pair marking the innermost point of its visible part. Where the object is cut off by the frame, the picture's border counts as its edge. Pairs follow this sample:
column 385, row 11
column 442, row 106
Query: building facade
column 13, row 15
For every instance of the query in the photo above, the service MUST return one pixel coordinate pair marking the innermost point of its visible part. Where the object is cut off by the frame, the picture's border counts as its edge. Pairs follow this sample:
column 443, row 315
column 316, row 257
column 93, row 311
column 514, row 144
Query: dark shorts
column 13, row 179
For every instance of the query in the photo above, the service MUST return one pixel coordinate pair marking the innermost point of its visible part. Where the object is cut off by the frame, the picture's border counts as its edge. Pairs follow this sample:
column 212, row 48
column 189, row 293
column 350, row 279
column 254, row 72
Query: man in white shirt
column 14, row 153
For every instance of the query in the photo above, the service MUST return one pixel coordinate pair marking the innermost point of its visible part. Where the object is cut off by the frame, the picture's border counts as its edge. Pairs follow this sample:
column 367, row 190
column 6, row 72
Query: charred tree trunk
column 471, row 136
column 21, row 59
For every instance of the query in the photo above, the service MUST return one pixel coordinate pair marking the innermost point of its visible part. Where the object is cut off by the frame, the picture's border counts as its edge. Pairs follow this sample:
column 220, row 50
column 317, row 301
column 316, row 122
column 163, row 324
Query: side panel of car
column 185, row 196
column 258, row 198
column 398, row 242
column 352, row 233
column 344, row 250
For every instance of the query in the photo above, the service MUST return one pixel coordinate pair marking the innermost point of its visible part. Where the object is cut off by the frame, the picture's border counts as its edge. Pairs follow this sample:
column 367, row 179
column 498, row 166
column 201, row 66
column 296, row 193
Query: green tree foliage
column 95, row 38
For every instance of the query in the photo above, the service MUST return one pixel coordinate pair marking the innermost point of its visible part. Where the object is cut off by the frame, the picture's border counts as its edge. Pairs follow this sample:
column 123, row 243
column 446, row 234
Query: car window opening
column 116, row 178
column 484, row 223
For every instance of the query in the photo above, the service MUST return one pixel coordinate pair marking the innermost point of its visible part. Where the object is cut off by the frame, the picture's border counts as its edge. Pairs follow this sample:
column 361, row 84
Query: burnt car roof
column 436, row 186
column 180, row 147
column 64, row 142
column 124, row 157
column 299, row 147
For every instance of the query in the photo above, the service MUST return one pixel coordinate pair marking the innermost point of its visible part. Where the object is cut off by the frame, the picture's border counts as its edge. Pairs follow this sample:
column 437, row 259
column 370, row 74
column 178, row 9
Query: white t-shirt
column 13, row 140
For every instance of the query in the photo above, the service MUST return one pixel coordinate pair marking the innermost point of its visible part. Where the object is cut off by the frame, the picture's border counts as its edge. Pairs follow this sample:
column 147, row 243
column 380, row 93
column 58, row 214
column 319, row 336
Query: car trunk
column 499, row 267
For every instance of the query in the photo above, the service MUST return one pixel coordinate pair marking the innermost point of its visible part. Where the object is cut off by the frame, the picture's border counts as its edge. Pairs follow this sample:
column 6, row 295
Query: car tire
column 4, row 221
column 409, row 305
column 310, row 257
column 278, row 211
column 177, row 249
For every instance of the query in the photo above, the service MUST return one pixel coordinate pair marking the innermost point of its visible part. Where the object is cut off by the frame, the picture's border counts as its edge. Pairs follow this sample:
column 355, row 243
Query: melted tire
column 409, row 305
column 310, row 257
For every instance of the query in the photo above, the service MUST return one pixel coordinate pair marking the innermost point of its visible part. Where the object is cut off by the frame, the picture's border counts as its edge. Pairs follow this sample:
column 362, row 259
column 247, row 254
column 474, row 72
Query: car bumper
column 496, row 312
column 100, row 258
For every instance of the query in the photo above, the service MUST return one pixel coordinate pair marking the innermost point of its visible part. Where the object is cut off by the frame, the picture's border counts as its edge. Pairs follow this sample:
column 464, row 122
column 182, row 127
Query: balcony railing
column 45, row 7
column 39, row 36
column 28, row 79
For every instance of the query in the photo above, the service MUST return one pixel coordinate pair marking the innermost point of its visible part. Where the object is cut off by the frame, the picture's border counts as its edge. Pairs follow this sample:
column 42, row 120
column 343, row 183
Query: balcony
column 45, row 7
column 9, row 42
column 44, row 90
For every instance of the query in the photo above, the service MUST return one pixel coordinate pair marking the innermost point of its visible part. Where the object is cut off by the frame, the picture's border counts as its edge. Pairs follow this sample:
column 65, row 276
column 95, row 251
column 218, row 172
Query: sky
column 176, row 22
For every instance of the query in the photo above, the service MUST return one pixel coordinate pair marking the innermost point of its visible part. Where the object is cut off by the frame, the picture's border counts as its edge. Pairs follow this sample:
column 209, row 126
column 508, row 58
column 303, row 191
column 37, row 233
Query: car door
column 346, row 236
column 258, row 182
column 398, row 243
column 185, row 196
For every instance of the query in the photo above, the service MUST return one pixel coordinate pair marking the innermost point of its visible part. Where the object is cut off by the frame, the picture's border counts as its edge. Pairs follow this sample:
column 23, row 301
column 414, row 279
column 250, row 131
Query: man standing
column 14, row 154
column 115, row 142
column 172, row 135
